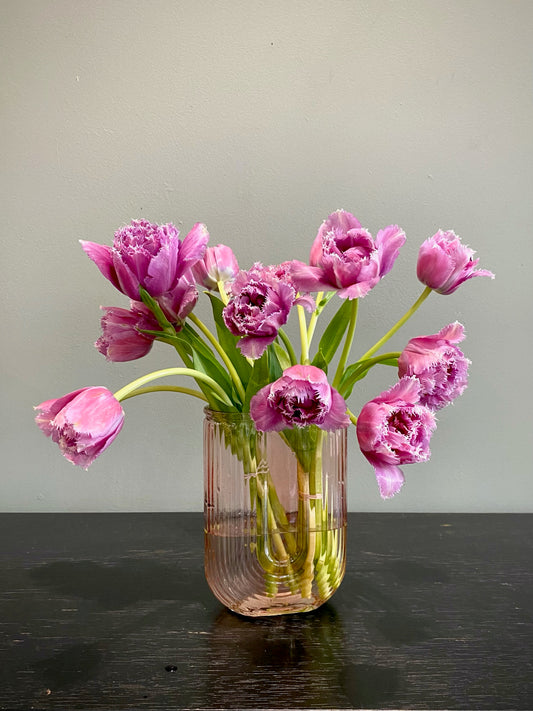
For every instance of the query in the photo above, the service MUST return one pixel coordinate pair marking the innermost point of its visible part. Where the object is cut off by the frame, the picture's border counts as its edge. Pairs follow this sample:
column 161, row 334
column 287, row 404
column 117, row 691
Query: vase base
column 283, row 604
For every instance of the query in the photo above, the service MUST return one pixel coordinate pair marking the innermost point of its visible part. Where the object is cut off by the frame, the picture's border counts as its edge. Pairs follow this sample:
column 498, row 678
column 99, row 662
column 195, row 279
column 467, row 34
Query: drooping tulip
column 122, row 339
column 301, row 397
column 83, row 423
column 437, row 363
column 392, row 429
column 444, row 263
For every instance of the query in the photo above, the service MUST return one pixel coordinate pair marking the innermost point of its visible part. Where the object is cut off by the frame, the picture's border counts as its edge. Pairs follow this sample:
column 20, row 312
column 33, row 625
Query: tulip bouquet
column 248, row 364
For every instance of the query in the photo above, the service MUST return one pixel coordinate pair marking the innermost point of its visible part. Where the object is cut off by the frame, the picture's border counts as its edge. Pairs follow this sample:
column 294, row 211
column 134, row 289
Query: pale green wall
column 259, row 118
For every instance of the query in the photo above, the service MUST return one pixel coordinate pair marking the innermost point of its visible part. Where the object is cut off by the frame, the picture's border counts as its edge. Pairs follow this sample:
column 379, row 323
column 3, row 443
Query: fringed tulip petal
column 301, row 397
column 444, row 263
column 394, row 429
column 82, row 423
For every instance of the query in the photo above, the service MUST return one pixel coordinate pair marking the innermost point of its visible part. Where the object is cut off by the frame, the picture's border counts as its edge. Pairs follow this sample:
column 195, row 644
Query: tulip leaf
column 275, row 369
column 258, row 379
column 332, row 336
column 228, row 341
column 320, row 362
column 282, row 356
column 205, row 361
column 357, row 371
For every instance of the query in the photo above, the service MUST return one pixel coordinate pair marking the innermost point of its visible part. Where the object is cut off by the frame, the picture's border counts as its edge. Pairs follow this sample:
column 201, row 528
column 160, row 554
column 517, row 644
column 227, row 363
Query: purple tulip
column 218, row 264
column 259, row 305
column 440, row 367
column 148, row 255
column 301, row 397
column 83, row 423
column 121, row 339
column 444, row 263
column 393, row 429
column 345, row 258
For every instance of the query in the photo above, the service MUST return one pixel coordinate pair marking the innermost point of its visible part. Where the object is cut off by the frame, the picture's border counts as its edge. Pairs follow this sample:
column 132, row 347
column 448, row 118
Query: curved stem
column 347, row 343
column 303, row 335
column 167, row 372
column 288, row 346
column 407, row 315
column 352, row 417
column 170, row 388
column 222, row 353
column 313, row 319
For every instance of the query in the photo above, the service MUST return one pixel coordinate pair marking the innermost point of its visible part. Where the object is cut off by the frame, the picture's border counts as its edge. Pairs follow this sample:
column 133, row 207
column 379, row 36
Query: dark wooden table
column 111, row 611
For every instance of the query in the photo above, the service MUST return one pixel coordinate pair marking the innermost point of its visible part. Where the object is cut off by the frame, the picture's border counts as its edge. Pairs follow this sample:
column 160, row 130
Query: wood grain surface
column 112, row 611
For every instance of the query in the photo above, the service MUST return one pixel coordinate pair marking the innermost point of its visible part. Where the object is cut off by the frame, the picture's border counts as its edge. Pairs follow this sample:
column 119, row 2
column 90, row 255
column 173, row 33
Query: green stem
column 170, row 388
column 222, row 353
column 314, row 318
column 288, row 346
column 347, row 343
column 222, row 292
column 423, row 296
column 303, row 335
column 352, row 417
column 165, row 373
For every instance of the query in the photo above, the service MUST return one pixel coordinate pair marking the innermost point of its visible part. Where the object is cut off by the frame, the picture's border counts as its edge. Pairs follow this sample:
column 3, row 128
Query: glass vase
column 275, row 515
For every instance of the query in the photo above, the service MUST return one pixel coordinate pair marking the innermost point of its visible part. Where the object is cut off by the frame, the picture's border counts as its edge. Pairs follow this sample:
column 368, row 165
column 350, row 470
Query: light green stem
column 164, row 388
column 352, row 417
column 222, row 353
column 313, row 320
column 222, row 292
column 407, row 315
column 167, row 372
column 347, row 343
column 288, row 346
column 303, row 335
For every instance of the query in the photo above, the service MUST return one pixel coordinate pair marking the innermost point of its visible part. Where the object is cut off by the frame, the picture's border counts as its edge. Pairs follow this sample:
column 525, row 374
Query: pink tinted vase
column 275, row 515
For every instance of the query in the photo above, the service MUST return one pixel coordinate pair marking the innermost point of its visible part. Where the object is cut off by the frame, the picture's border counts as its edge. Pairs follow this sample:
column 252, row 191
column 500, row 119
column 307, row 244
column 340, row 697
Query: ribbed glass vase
column 275, row 515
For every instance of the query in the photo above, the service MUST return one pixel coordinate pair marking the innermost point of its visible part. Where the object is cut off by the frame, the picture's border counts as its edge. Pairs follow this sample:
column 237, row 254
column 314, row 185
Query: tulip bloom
column 259, row 306
column 83, row 423
column 121, row 338
column 218, row 264
column 444, row 263
column 148, row 255
column 392, row 429
column 440, row 367
column 301, row 397
column 345, row 258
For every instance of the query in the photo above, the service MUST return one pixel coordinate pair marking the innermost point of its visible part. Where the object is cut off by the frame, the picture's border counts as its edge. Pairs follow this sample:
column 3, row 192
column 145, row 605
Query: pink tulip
column 218, row 264
column 440, row 367
column 148, row 255
column 345, row 258
column 444, row 263
column 121, row 338
column 259, row 305
column 301, row 397
column 392, row 429
column 83, row 423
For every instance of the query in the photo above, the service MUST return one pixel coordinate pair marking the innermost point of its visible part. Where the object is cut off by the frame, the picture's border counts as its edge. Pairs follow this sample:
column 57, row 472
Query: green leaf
column 282, row 356
column 229, row 342
column 357, row 371
column 274, row 366
column 154, row 307
column 332, row 336
column 259, row 378
column 320, row 362
column 205, row 360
